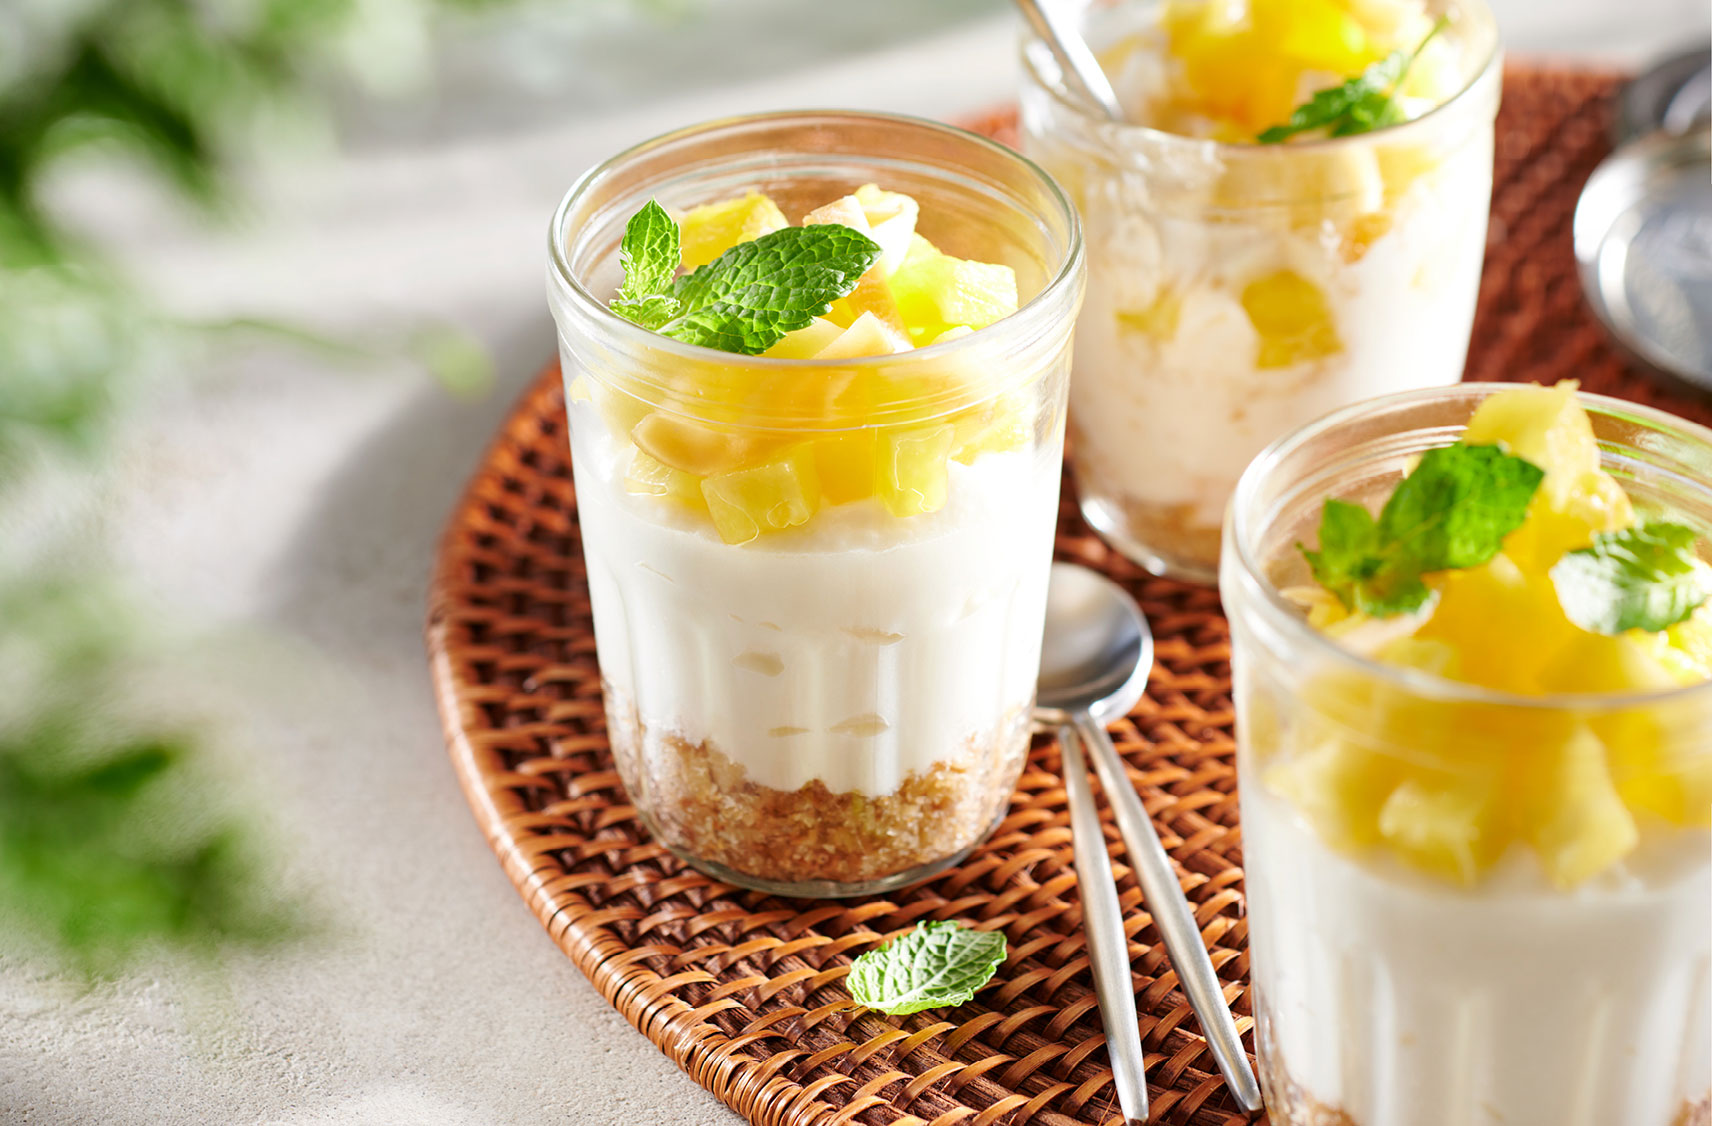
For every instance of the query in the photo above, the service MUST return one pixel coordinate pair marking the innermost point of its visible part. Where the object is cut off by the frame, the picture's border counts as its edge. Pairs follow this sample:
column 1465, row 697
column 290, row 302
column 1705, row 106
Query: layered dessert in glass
column 818, row 572
column 1472, row 650
column 1256, row 258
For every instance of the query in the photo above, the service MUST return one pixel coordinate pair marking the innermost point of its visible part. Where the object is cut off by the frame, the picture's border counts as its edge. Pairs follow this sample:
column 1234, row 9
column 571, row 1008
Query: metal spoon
column 1094, row 663
column 1081, row 70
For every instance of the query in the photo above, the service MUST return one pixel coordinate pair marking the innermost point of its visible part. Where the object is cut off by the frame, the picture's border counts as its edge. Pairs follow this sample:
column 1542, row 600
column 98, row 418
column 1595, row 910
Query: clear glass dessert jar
column 1238, row 290
column 1465, row 905
column 818, row 586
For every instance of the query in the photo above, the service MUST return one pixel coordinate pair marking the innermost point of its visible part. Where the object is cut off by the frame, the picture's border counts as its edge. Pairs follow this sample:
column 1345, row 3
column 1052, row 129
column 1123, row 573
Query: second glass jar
column 1239, row 290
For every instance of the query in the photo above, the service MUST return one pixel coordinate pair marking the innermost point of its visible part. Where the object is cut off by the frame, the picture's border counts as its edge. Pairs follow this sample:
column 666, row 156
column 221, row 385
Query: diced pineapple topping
column 713, row 228
column 1449, row 787
column 1244, row 65
column 777, row 494
column 1292, row 319
column 649, row 477
column 935, row 291
column 750, row 482
column 912, row 469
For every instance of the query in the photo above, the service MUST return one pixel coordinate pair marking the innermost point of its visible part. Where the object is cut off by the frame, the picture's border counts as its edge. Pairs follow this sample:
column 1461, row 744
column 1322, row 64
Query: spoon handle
column 1108, row 946
column 1170, row 908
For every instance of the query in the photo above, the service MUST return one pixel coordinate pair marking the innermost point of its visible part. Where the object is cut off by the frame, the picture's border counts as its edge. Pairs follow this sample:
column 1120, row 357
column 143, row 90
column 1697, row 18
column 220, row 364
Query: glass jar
column 1440, row 927
column 1239, row 290
column 819, row 628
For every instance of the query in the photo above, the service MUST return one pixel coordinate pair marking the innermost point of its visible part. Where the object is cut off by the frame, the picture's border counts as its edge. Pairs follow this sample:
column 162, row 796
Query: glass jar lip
column 1243, row 149
column 1032, row 318
column 1287, row 617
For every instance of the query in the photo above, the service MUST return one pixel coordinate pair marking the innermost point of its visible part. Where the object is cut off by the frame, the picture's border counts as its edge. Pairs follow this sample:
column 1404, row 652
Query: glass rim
column 1244, row 149
column 1287, row 617
column 1030, row 318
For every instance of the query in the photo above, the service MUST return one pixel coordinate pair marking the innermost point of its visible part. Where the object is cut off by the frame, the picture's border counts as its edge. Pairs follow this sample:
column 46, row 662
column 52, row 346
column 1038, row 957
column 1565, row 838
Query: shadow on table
column 355, row 580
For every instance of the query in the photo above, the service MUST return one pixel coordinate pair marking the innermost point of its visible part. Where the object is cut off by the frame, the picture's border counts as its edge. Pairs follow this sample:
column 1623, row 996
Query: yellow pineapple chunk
column 710, row 230
column 806, row 343
column 1692, row 638
column 777, row 494
column 1547, row 427
column 1674, row 786
column 620, row 410
column 993, row 427
column 1505, row 624
column 846, row 211
column 911, row 474
column 868, row 335
column 1233, row 73
column 872, row 296
column 1316, row 34
column 650, row 477
column 844, row 464
column 1576, row 820
column 1292, row 319
column 1158, row 320
column 1340, row 788
column 935, row 291
column 891, row 221
column 696, row 447
column 1449, row 825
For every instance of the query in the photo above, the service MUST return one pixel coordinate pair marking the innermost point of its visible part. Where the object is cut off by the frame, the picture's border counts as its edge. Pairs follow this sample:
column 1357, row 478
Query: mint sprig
column 1647, row 577
column 1452, row 512
column 748, row 298
column 1364, row 103
column 650, row 254
column 937, row 964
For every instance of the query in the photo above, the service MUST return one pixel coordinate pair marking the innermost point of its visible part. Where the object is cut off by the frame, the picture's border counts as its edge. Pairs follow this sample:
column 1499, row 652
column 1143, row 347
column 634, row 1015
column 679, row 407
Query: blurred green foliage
column 112, row 844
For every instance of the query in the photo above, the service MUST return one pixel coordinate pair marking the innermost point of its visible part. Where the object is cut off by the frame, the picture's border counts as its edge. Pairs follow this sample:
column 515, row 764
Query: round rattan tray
column 744, row 991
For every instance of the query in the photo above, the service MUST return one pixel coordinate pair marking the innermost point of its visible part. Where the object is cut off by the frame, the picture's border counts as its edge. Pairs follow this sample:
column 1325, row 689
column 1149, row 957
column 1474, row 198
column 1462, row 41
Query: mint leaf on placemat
column 937, row 964
column 1452, row 512
column 1364, row 103
column 1646, row 577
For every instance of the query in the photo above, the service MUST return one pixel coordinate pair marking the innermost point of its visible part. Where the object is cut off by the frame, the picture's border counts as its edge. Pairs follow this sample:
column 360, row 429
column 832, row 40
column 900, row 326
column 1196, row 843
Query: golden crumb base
column 1287, row 1104
column 704, row 804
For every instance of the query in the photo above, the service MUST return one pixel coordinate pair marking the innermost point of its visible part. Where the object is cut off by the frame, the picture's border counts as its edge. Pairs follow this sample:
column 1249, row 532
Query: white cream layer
column 1402, row 1001
column 1173, row 422
column 854, row 650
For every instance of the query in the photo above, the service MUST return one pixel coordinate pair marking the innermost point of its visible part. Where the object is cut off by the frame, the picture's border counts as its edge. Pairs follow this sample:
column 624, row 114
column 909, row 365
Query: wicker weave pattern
column 744, row 992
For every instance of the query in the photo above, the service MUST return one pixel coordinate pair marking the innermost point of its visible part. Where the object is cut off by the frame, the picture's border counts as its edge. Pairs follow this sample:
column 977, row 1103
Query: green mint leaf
column 649, row 312
column 747, row 299
column 650, row 256
column 1452, row 512
column 937, row 964
column 1362, row 104
column 1646, row 577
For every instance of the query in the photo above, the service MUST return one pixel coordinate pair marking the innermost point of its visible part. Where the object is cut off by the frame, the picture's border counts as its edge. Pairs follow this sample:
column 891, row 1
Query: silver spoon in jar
column 1076, row 62
column 1094, row 661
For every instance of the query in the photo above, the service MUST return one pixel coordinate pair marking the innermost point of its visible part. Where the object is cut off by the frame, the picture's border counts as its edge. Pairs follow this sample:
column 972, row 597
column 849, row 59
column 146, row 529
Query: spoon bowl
column 1097, row 651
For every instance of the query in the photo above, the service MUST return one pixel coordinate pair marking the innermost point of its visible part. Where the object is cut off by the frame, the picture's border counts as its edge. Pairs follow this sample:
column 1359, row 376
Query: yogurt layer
column 855, row 650
column 1170, row 408
column 1396, row 1000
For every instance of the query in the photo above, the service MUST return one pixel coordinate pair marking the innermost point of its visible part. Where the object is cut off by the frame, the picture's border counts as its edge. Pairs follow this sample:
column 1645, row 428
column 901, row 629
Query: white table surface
column 292, row 510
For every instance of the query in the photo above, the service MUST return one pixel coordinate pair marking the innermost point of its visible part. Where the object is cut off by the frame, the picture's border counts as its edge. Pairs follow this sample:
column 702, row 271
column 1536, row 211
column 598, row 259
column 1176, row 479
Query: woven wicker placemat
column 744, row 991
